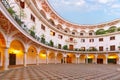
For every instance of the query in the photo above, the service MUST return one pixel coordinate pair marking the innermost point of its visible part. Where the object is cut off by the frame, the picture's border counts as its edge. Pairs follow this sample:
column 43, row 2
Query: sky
column 87, row 11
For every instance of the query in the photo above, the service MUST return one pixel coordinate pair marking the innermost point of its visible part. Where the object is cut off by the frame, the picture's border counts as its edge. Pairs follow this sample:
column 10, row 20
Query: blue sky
column 87, row 11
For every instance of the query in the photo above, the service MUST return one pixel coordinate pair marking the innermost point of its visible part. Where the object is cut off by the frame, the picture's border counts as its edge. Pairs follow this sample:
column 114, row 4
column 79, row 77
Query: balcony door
column 71, row 47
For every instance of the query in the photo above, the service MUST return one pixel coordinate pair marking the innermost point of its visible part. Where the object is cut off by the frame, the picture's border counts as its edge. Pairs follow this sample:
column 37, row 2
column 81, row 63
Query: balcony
column 70, row 41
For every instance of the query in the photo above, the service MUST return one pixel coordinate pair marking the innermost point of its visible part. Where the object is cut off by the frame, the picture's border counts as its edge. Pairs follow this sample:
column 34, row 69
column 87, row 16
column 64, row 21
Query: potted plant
column 11, row 11
column 51, row 43
column 65, row 47
column 43, row 38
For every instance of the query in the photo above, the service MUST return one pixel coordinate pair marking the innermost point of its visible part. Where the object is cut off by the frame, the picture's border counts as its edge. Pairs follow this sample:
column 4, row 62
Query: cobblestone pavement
column 63, row 72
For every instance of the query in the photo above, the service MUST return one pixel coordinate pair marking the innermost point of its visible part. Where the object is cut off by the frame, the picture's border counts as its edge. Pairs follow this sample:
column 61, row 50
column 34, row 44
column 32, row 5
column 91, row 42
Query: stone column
column 106, row 62
column 65, row 58
column 96, row 58
column 56, row 58
column 118, row 62
column 77, row 58
column 25, row 59
column 6, row 59
column 37, row 59
column 37, row 56
column 47, row 60
column 86, row 58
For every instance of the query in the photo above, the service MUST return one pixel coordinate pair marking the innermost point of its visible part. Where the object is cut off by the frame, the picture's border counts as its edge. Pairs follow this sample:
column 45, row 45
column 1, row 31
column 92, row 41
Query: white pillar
column 106, row 62
column 25, row 59
column 65, row 58
column 47, row 60
column 37, row 56
column 86, row 58
column 6, row 59
column 56, row 58
column 37, row 59
column 77, row 58
column 95, row 58
column 118, row 62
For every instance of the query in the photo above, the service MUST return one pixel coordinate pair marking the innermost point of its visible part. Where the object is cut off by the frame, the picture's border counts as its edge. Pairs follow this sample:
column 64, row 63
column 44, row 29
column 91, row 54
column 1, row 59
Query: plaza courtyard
column 63, row 72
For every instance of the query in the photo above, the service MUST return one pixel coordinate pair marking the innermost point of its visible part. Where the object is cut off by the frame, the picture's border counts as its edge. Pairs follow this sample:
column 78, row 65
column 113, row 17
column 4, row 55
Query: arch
column 42, row 56
column 74, row 32
column 67, row 30
column 16, row 53
column 2, row 49
column 82, row 33
column 51, row 57
column 82, row 58
column 31, row 55
column 59, row 26
column 52, row 21
column 71, row 58
column 91, row 32
column 43, row 14
column 59, row 57
column 113, row 58
column 91, row 58
column 101, row 59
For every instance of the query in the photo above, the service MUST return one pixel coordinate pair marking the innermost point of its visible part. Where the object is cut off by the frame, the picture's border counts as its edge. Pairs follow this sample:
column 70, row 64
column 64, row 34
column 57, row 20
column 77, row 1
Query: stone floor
column 63, row 72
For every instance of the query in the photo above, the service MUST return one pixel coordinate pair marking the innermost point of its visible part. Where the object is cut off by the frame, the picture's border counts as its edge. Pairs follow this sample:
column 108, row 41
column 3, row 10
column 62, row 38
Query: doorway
column 12, row 59
column 99, row 61
column 112, row 61
column 69, row 59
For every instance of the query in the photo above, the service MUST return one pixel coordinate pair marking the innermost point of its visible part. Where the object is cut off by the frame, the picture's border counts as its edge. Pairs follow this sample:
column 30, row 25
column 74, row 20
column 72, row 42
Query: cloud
column 105, row 1
column 115, row 6
column 73, row 2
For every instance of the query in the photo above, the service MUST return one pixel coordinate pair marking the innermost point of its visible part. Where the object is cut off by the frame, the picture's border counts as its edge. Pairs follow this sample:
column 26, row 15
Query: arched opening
column 91, row 32
column 51, row 57
column 2, row 48
column 82, row 33
column 91, row 58
column 16, row 53
column 59, row 58
column 31, row 55
column 70, row 58
column 112, row 58
column 82, row 58
column 52, row 22
column 101, row 59
column 42, row 56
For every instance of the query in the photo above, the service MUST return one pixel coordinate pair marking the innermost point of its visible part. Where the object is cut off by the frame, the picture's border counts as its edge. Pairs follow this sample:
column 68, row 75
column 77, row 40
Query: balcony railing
column 71, row 41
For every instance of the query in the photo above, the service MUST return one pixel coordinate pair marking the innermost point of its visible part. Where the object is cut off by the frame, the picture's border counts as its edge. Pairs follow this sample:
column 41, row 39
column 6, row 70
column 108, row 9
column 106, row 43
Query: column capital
column 77, row 55
column 64, row 54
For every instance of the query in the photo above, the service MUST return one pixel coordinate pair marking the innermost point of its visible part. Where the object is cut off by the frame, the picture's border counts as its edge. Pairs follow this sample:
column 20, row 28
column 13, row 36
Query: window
column 82, row 48
column 82, row 40
column 100, row 39
column 32, row 18
column 22, row 4
column 42, row 27
column 52, row 33
column 60, row 36
column 91, row 40
column 90, row 33
column 66, row 31
column 101, row 48
column 59, row 46
column 81, row 34
column 73, row 33
column 112, row 38
column 71, row 39
column 112, row 47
